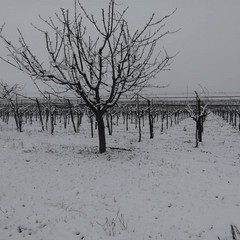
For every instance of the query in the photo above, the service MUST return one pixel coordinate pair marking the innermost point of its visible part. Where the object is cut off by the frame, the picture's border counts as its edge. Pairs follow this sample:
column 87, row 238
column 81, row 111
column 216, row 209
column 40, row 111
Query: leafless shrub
column 116, row 225
column 235, row 233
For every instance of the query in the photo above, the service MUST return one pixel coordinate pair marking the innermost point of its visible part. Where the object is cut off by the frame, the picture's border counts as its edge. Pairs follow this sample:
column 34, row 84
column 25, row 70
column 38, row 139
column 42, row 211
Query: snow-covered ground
column 60, row 188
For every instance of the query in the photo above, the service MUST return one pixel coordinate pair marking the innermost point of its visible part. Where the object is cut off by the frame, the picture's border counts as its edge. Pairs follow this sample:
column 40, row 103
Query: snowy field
column 60, row 188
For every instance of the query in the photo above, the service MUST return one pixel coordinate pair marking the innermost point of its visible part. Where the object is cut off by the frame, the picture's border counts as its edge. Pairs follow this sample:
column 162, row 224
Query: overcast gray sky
column 208, row 41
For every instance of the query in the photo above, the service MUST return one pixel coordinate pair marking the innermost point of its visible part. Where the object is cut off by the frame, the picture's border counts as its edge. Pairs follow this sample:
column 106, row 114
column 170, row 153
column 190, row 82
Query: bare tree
column 9, row 93
column 98, row 69
column 199, row 116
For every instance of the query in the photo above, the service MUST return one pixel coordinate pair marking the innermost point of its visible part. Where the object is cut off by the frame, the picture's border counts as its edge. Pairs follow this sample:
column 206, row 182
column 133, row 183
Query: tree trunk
column 65, row 119
column 47, row 117
column 91, row 121
column 167, row 121
column 117, row 118
column 139, row 121
column 199, row 129
column 15, row 114
column 72, row 117
column 40, row 114
column 235, row 118
column 101, row 133
column 150, row 119
column 52, row 120
column 162, row 119
column 239, row 121
column 196, row 135
column 127, row 120
column 20, row 120
column 139, row 129
column 109, row 124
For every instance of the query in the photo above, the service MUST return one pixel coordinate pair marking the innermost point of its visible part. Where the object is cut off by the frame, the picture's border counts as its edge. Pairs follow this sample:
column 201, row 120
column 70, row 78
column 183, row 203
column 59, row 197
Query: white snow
column 60, row 188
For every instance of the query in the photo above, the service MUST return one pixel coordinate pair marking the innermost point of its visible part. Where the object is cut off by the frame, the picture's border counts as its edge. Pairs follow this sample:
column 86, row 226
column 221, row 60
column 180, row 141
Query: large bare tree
column 98, row 60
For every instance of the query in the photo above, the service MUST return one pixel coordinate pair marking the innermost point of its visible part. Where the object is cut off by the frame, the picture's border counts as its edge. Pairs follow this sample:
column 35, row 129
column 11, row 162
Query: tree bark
column 72, row 117
column 239, row 121
column 91, row 121
column 52, row 113
column 40, row 114
column 127, row 116
column 101, row 133
column 139, row 120
column 150, row 119
column 196, row 135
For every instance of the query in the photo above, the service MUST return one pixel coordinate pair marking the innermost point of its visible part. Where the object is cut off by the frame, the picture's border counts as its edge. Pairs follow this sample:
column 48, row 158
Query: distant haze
column 208, row 42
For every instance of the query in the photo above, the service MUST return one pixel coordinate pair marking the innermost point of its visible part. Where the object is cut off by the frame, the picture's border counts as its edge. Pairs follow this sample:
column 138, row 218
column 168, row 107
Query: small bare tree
column 199, row 116
column 10, row 94
column 98, row 69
